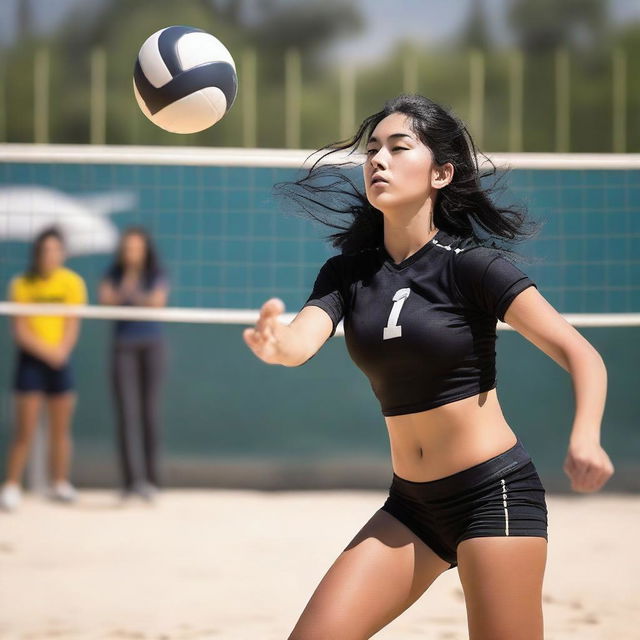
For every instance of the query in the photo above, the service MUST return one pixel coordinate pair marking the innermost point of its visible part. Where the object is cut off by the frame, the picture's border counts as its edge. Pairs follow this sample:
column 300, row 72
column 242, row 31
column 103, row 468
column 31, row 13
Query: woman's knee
column 24, row 432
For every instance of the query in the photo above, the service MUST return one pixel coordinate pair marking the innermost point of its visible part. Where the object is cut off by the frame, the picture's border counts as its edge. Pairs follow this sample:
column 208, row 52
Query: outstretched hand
column 263, row 338
column 588, row 466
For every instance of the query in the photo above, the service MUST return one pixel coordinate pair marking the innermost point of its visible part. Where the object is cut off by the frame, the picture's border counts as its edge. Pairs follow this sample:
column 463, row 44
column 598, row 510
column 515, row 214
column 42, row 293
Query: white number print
column 393, row 329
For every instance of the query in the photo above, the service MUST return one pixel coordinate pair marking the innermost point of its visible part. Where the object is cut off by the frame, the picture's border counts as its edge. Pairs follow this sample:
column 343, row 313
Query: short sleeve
column 76, row 290
column 327, row 292
column 489, row 281
column 17, row 291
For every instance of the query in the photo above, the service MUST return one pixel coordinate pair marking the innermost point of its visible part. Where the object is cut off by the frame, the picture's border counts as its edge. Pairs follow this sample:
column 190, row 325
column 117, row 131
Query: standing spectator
column 137, row 358
column 43, row 367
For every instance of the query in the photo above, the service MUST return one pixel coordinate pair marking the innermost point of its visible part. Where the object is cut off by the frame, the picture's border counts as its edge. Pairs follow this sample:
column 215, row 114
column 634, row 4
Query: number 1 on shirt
column 393, row 329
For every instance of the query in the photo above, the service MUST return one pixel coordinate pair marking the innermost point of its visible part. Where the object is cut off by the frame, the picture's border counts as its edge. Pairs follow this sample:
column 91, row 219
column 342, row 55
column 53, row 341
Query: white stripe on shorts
column 504, row 504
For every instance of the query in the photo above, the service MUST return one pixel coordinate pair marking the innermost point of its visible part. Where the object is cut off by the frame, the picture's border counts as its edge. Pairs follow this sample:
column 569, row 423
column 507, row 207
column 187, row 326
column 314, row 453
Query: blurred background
column 527, row 75
column 560, row 76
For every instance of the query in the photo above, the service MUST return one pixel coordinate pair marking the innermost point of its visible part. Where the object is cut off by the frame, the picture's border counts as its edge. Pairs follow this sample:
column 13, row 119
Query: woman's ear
column 441, row 175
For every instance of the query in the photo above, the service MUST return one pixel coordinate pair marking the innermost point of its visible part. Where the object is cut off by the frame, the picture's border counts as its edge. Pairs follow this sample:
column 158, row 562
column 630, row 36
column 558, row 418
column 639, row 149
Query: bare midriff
column 432, row 444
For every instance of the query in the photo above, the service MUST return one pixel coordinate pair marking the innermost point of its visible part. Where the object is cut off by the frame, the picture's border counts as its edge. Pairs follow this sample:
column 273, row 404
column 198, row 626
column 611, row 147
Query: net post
column 36, row 473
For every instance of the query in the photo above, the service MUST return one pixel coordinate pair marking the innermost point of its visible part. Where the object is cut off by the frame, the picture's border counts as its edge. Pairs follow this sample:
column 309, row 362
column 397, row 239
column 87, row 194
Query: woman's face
column 51, row 255
column 400, row 170
column 134, row 251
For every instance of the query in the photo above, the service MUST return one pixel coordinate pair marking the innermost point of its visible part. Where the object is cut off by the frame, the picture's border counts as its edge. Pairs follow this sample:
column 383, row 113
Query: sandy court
column 241, row 565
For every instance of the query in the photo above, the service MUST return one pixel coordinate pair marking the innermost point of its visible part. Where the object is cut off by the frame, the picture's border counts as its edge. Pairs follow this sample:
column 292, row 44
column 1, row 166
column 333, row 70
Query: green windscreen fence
column 229, row 418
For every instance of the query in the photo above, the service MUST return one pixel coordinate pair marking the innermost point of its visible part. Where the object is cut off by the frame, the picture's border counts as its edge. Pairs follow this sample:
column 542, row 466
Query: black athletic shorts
column 502, row 496
column 33, row 374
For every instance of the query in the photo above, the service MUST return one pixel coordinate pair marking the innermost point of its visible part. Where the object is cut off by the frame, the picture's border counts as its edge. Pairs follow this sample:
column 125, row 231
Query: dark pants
column 137, row 369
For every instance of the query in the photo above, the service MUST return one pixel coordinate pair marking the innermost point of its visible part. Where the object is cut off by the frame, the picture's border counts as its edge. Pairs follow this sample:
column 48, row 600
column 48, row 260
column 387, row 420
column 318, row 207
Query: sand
column 239, row 565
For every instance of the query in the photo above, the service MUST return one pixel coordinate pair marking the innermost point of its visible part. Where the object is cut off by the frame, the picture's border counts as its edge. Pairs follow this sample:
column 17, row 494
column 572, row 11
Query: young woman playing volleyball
column 420, row 282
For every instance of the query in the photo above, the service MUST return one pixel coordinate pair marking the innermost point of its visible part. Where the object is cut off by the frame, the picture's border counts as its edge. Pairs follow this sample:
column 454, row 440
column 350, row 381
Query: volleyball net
column 227, row 248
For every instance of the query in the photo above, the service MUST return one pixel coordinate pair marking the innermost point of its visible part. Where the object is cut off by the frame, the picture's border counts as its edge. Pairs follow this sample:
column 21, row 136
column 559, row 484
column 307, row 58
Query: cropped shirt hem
column 425, row 406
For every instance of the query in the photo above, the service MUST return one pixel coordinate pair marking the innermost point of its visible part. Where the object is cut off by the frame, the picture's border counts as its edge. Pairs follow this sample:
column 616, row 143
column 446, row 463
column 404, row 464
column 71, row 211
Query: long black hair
column 151, row 268
column 463, row 208
column 33, row 268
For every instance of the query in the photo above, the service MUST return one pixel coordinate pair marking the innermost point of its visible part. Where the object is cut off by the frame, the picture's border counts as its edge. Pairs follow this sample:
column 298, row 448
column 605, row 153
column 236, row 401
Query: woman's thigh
column 502, row 582
column 27, row 407
column 381, row 572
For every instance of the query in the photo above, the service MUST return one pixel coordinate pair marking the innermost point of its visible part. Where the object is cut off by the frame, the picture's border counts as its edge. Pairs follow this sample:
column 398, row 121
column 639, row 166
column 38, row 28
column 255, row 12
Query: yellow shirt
column 62, row 286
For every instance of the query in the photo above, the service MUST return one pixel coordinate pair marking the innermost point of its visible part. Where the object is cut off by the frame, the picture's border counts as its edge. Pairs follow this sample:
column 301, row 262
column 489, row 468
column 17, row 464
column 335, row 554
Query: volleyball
column 184, row 79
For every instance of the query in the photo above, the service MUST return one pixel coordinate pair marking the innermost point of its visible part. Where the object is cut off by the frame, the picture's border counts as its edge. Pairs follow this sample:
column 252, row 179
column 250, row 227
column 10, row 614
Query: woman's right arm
column 289, row 345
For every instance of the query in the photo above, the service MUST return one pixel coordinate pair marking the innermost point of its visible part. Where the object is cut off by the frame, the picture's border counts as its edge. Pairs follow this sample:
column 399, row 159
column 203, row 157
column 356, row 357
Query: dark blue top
column 136, row 329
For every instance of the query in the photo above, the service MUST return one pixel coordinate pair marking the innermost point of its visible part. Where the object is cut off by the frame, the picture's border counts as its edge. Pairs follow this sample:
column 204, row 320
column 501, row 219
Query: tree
column 543, row 25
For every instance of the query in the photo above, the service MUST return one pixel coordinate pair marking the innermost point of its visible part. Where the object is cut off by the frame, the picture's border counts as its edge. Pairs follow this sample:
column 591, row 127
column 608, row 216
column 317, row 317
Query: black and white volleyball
column 184, row 79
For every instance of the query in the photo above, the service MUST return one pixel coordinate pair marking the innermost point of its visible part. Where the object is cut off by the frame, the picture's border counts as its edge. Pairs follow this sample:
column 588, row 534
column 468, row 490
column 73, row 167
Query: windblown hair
column 331, row 192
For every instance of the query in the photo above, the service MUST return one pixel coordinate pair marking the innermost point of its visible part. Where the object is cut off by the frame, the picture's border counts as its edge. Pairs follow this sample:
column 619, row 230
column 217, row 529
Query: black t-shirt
column 423, row 331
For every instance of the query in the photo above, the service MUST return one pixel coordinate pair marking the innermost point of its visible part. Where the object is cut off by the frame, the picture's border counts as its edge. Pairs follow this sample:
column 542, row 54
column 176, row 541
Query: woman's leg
column 27, row 406
column 124, row 379
column 502, row 582
column 152, row 365
column 381, row 573
column 61, row 407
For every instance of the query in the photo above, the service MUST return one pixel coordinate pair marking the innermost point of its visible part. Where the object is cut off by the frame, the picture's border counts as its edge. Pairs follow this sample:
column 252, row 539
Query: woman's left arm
column 76, row 294
column 587, row 463
column 69, row 337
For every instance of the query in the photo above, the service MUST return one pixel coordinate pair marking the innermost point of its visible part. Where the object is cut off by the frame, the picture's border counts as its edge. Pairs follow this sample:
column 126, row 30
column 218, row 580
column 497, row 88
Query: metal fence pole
column 476, row 94
column 563, row 101
column 516, row 100
column 410, row 72
column 293, row 102
column 347, row 101
column 41, row 96
column 248, row 79
column 619, row 111
column 98, row 96
column 3, row 102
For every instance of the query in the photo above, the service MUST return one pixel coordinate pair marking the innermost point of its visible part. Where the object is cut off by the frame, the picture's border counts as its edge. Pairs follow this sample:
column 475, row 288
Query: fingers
column 273, row 306
column 261, row 339
column 250, row 338
column 269, row 313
